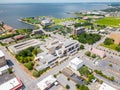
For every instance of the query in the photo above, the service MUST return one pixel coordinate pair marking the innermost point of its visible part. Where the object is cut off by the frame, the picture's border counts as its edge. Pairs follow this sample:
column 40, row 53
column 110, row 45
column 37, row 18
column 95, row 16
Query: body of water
column 10, row 13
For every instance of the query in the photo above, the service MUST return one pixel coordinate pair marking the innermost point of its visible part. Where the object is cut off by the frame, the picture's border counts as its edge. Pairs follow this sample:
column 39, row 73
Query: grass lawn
column 109, row 21
column 58, row 20
column 112, row 46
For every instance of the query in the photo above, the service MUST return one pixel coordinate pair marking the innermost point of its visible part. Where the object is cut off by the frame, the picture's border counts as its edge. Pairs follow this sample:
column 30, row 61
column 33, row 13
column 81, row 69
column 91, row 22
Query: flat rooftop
column 105, row 86
column 44, row 57
column 5, row 77
column 3, row 68
column 1, row 54
column 46, row 82
column 24, row 45
column 68, row 43
column 12, row 84
column 76, row 61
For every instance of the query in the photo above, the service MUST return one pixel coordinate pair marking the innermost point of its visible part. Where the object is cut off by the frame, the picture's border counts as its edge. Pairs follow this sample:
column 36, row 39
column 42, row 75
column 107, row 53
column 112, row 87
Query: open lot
column 109, row 21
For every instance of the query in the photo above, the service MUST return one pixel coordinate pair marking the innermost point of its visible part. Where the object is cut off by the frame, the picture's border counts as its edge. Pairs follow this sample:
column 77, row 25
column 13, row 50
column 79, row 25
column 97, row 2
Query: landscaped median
column 111, row 78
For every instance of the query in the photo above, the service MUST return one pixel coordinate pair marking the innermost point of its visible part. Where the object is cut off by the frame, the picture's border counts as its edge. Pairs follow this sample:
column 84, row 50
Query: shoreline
column 20, row 20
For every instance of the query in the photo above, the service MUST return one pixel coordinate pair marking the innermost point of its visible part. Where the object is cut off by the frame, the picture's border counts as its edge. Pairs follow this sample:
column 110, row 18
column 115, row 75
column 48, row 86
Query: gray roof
column 69, row 43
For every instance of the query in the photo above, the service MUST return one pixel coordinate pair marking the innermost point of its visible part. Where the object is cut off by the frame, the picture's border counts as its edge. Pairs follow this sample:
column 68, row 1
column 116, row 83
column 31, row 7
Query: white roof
column 105, row 86
column 3, row 68
column 76, row 61
column 79, row 28
column 1, row 54
column 46, row 82
column 10, row 84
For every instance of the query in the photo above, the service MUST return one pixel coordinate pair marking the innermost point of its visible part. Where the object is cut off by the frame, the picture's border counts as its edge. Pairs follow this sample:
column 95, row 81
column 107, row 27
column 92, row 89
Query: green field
column 109, row 21
column 112, row 46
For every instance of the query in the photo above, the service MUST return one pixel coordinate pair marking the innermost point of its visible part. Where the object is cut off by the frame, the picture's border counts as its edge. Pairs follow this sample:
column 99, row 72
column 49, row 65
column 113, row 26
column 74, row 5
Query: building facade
column 76, row 63
column 78, row 31
column 2, row 59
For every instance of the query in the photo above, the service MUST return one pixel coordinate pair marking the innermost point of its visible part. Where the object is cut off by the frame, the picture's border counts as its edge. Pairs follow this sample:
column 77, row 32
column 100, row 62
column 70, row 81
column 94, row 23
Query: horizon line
column 56, row 2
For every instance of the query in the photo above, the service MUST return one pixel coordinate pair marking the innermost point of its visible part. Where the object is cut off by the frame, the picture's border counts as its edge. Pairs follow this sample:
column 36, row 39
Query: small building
column 19, row 37
column 39, row 31
column 105, row 86
column 68, row 23
column 8, row 28
column 98, row 52
column 46, row 21
column 12, row 84
column 76, row 63
column 47, row 83
column 2, row 59
column 4, row 69
column 115, row 37
column 7, row 41
column 74, row 77
column 78, row 31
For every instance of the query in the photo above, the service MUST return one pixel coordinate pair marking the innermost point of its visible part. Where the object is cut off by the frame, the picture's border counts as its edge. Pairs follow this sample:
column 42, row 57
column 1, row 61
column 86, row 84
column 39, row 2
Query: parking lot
column 58, row 87
column 63, row 80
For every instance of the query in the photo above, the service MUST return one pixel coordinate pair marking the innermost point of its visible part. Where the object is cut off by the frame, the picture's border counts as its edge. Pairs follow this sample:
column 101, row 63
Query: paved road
column 18, row 70
column 30, row 84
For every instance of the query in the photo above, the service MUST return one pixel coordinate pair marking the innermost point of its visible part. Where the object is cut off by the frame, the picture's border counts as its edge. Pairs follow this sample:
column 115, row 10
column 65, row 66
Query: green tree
column 83, row 87
column 93, row 55
column 112, row 78
column 29, row 65
column 110, row 65
column 118, row 48
column 36, row 73
column 88, row 53
column 84, row 71
column 90, row 77
column 10, row 70
column 108, row 41
column 81, row 46
column 77, row 86
column 68, row 79
column 67, row 86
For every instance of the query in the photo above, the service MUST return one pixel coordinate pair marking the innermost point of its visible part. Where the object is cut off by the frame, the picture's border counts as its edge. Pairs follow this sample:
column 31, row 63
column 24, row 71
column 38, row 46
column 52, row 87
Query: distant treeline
column 114, row 4
column 114, row 9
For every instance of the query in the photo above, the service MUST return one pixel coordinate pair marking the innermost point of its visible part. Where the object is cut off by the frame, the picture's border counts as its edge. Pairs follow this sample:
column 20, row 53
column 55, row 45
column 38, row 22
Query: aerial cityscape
column 59, row 45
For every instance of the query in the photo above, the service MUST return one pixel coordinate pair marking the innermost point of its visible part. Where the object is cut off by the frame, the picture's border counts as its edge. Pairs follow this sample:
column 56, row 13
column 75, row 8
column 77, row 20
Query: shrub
column 83, row 87
column 29, row 65
column 36, row 74
column 84, row 71
column 77, row 86
column 93, row 56
column 110, row 65
column 10, row 70
column 88, row 53
column 108, row 41
column 81, row 46
column 67, row 86
column 68, row 79
column 118, row 48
